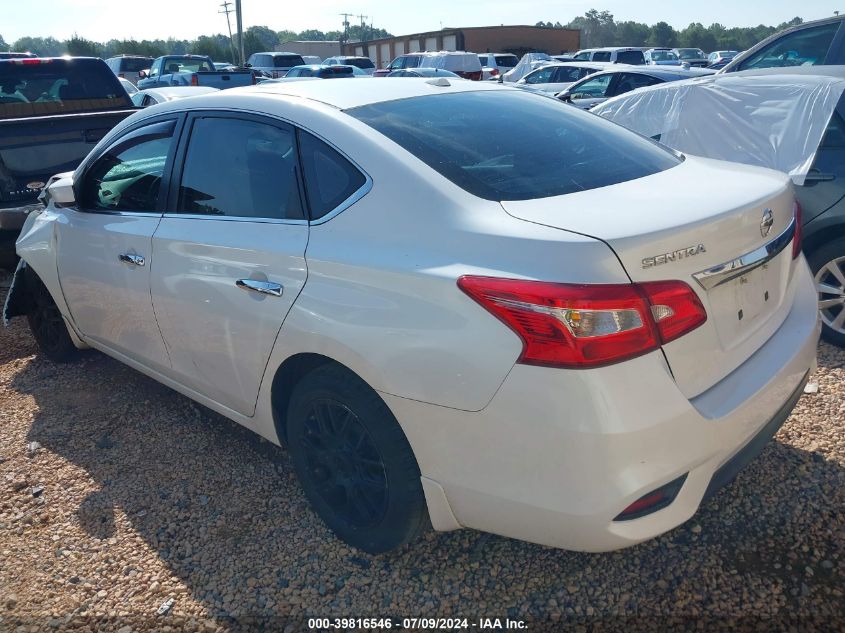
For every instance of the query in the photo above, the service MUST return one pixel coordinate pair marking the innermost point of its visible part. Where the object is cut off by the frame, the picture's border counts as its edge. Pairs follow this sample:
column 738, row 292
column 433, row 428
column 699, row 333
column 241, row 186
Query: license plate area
column 745, row 303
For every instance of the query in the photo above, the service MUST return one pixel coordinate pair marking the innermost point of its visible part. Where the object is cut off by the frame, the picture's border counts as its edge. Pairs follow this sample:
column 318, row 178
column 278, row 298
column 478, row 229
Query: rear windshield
column 629, row 57
column 336, row 70
column 541, row 147
column 287, row 61
column 360, row 62
column 506, row 60
column 58, row 87
column 690, row 53
column 134, row 64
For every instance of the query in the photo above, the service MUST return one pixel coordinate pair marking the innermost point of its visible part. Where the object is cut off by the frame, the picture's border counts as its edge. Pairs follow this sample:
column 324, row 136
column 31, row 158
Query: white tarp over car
column 772, row 118
column 529, row 62
column 456, row 62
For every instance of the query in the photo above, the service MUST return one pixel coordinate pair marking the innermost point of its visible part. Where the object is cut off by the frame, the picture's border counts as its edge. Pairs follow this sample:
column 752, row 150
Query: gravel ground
column 147, row 496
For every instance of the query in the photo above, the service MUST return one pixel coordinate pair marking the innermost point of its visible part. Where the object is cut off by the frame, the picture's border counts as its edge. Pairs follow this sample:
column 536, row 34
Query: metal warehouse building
column 477, row 39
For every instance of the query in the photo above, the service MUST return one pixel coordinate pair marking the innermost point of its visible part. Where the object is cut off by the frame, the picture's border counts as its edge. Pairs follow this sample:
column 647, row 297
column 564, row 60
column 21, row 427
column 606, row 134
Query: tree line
column 598, row 28
column 218, row 47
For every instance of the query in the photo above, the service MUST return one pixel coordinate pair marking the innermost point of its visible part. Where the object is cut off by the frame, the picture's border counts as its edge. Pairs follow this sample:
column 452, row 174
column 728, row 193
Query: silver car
column 275, row 64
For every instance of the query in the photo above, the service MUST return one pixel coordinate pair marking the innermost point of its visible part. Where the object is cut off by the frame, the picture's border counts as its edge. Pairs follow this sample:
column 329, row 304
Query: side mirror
column 59, row 191
column 247, row 65
column 142, row 74
column 565, row 96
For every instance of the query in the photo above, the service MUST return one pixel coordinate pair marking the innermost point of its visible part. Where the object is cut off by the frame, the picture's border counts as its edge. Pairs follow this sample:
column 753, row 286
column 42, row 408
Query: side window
column 634, row 58
column 582, row 57
column 128, row 176
column 241, row 168
column 593, row 88
column 543, row 76
column 834, row 136
column 601, row 56
column 629, row 81
column 806, row 47
column 329, row 177
column 567, row 74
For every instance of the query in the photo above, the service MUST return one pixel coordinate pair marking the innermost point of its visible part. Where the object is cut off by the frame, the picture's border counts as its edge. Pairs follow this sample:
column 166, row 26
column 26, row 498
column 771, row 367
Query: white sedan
column 557, row 77
column 561, row 332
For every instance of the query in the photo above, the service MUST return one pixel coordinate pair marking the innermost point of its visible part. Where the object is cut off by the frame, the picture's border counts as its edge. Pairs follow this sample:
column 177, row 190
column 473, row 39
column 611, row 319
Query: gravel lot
column 147, row 496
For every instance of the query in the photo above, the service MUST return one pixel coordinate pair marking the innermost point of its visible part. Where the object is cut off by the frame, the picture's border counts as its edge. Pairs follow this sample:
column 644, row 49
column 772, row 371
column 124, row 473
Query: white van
column 466, row 65
column 614, row 55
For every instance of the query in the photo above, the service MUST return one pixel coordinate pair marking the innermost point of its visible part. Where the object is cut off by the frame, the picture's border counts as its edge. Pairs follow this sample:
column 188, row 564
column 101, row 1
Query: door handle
column 129, row 258
column 817, row 176
column 264, row 287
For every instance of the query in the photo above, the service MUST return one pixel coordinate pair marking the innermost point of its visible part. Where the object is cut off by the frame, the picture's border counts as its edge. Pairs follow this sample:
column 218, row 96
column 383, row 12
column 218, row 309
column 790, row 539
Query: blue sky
column 105, row 19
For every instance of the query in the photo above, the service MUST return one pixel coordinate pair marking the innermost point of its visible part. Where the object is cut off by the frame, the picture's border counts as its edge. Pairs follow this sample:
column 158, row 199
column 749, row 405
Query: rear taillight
column 581, row 326
column 494, row 72
column 799, row 231
column 195, row 80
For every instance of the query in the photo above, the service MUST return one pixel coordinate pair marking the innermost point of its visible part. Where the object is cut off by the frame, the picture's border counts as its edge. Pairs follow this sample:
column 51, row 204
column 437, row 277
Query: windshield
column 506, row 60
column 664, row 56
column 287, row 61
column 359, row 62
column 134, row 64
column 58, row 87
column 690, row 53
column 540, row 148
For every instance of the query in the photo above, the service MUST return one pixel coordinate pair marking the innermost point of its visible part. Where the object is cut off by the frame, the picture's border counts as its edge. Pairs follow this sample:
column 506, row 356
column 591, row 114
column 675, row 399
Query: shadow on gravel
column 223, row 510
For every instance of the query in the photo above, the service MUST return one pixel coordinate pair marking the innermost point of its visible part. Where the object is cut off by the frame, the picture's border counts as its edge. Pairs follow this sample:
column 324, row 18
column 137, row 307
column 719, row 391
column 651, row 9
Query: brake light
column 799, row 231
column 195, row 80
column 579, row 325
column 31, row 61
column 494, row 72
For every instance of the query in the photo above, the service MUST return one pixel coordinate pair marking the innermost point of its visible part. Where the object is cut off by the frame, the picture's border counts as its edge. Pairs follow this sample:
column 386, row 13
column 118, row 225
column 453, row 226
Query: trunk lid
column 680, row 223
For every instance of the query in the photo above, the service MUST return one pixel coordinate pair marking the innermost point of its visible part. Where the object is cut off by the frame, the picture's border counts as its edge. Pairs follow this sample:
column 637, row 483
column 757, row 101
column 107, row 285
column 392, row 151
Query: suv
column 695, row 57
column 811, row 44
column 627, row 55
column 129, row 66
column 409, row 60
column 275, row 64
column 364, row 63
column 496, row 64
column 463, row 64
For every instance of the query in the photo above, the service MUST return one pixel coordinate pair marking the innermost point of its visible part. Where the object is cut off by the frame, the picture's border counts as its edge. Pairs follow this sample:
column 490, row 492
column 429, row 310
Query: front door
column 104, row 244
column 230, row 254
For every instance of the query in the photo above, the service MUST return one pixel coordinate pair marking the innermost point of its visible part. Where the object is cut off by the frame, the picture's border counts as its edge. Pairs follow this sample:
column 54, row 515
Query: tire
column 354, row 462
column 47, row 325
column 828, row 266
column 8, row 257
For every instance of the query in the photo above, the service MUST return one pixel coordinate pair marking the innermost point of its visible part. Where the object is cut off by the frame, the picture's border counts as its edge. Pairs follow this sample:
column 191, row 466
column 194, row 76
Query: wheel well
column 288, row 375
column 821, row 237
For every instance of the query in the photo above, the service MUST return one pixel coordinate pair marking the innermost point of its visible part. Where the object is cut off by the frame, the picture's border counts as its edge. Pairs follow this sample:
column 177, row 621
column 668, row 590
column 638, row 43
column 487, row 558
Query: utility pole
column 363, row 27
column 227, row 11
column 345, row 37
column 239, row 20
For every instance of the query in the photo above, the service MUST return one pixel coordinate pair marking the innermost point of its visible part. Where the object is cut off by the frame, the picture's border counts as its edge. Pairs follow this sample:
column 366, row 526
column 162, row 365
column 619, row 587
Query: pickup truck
column 53, row 111
column 192, row 70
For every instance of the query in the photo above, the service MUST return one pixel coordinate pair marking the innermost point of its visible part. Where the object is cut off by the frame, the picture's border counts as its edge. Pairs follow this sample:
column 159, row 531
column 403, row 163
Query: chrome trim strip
column 231, row 218
column 744, row 264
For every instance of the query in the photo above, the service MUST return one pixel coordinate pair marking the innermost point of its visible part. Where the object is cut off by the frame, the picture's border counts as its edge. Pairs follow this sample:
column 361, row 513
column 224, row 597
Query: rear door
column 104, row 243
column 626, row 82
column 230, row 253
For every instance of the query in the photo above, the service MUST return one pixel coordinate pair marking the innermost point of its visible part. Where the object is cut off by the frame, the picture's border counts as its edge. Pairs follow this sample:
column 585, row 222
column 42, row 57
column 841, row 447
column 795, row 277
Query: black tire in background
column 828, row 265
column 354, row 462
column 46, row 323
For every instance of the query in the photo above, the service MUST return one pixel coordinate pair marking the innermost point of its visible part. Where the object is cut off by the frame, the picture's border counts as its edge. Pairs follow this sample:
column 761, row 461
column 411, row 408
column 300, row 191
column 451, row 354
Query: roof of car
column 837, row 72
column 660, row 72
column 364, row 91
column 177, row 92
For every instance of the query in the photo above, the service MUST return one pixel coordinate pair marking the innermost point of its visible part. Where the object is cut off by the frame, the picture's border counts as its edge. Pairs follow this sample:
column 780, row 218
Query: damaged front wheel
column 47, row 324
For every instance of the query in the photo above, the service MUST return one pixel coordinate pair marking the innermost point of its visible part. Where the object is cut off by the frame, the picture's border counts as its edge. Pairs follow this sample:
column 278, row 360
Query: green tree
column 662, row 35
column 287, row 36
column 80, row 47
column 44, row 46
column 3, row 45
column 267, row 37
column 205, row 45
column 312, row 35
column 631, row 34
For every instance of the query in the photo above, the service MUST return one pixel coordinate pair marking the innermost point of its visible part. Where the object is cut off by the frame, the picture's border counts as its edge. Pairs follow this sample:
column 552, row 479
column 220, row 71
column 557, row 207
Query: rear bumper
column 558, row 454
